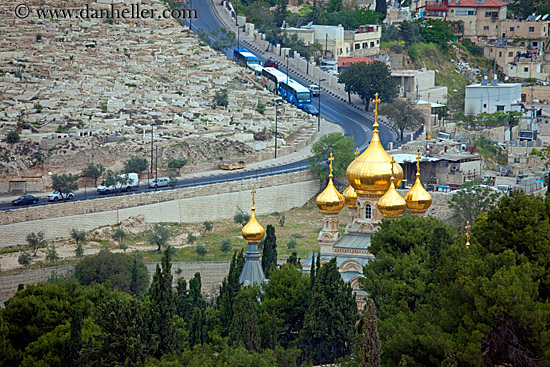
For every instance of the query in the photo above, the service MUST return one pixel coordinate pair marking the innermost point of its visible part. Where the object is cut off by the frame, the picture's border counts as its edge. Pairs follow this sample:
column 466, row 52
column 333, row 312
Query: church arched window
column 368, row 211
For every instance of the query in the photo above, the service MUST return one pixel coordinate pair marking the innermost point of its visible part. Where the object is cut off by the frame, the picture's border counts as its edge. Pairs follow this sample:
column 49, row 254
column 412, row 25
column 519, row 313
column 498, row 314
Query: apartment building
column 364, row 41
column 491, row 97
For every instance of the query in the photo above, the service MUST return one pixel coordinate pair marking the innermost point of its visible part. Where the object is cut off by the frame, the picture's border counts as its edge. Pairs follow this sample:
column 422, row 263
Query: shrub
column 13, row 137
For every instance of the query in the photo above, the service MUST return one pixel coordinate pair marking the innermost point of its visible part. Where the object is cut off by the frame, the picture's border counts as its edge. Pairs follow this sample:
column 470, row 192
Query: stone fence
column 187, row 205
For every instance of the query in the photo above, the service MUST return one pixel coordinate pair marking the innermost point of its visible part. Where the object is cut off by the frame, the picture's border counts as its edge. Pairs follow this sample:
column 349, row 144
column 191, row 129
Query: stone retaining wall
column 188, row 205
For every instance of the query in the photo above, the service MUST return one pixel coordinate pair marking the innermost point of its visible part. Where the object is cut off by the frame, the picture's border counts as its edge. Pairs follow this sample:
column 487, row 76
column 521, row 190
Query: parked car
column 159, row 182
column 56, row 195
column 24, row 200
column 271, row 63
column 314, row 89
column 232, row 166
column 132, row 182
column 311, row 109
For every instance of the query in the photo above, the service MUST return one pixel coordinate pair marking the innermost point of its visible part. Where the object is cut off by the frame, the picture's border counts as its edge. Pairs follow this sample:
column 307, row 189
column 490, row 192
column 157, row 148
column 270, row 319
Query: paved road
column 354, row 122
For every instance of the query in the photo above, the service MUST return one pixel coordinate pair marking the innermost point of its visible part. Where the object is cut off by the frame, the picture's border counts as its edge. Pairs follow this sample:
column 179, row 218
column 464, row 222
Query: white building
column 491, row 97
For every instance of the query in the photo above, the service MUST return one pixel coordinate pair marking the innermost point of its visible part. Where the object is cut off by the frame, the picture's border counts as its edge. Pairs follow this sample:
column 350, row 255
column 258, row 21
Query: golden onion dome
column 330, row 200
column 350, row 197
column 253, row 230
column 392, row 205
column 370, row 173
column 417, row 198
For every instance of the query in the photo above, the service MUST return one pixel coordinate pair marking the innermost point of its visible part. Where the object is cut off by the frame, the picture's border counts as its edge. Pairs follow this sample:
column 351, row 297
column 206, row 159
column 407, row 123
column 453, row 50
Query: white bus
column 272, row 79
column 257, row 69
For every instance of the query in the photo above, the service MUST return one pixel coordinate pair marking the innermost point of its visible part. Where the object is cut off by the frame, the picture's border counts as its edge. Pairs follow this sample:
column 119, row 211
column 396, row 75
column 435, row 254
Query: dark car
column 25, row 199
column 311, row 109
column 271, row 63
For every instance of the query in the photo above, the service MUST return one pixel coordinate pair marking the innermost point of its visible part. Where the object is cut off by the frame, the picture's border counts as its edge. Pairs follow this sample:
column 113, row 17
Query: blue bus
column 295, row 93
column 245, row 57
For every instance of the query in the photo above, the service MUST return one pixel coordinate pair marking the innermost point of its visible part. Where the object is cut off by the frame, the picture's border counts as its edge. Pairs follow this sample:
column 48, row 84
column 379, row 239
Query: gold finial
column 418, row 164
column 376, row 101
column 467, row 228
column 331, row 158
column 253, row 192
column 356, row 152
column 392, row 163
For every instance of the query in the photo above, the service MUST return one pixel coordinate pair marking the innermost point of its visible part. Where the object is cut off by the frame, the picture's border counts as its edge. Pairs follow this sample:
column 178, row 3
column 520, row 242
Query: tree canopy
column 402, row 116
column 136, row 164
column 342, row 149
column 93, row 171
column 65, row 183
column 366, row 80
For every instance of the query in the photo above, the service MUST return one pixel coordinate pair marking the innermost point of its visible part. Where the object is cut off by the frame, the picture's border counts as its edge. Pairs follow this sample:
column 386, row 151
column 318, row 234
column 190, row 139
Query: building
column 336, row 42
column 252, row 232
column 371, row 196
column 419, row 85
column 364, row 41
column 492, row 97
column 481, row 19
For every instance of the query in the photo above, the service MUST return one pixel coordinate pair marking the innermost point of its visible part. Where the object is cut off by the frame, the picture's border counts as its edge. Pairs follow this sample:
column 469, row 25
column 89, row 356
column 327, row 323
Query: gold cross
column 330, row 163
column 376, row 101
column 467, row 228
column 392, row 163
column 356, row 152
column 418, row 163
column 253, row 192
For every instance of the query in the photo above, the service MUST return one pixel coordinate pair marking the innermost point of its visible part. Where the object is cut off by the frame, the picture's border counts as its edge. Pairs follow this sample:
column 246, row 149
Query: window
column 516, row 160
column 377, row 42
column 512, row 29
column 535, row 44
column 500, row 108
column 510, row 54
column 485, row 105
column 491, row 14
column 357, row 46
column 465, row 12
column 500, row 54
column 368, row 212
column 526, row 69
column 531, row 29
column 365, row 44
column 372, row 44
column 485, row 27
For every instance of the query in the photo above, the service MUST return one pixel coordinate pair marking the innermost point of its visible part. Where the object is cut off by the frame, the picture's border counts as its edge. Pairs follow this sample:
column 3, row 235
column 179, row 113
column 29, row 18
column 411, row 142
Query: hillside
column 455, row 68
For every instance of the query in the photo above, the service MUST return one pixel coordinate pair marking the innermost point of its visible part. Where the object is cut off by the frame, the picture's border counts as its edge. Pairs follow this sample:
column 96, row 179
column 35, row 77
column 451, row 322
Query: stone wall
column 187, row 205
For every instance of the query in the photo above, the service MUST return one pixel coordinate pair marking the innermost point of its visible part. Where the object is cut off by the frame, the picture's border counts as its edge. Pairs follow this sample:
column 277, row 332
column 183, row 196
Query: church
column 371, row 196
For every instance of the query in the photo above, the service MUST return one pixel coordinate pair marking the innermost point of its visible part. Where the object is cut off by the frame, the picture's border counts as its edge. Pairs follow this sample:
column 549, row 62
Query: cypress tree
column 329, row 324
column 134, row 285
column 269, row 256
column 228, row 291
column 72, row 349
column 245, row 325
column 197, row 327
column 312, row 272
column 184, row 306
column 195, row 294
column 163, row 308
column 370, row 348
column 381, row 8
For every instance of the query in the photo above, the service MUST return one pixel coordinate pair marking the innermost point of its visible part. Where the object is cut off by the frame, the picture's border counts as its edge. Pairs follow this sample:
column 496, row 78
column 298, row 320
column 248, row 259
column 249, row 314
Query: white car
column 131, row 179
column 56, row 195
column 314, row 89
column 159, row 182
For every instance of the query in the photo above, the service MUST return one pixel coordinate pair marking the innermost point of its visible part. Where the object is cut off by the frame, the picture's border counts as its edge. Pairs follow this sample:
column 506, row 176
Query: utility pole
column 156, row 161
column 532, row 109
column 276, row 114
column 152, row 142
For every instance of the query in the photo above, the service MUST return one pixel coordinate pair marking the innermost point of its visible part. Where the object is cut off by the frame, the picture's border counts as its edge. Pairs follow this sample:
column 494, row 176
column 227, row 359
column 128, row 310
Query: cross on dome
column 376, row 101
column 253, row 192
column 331, row 158
column 418, row 163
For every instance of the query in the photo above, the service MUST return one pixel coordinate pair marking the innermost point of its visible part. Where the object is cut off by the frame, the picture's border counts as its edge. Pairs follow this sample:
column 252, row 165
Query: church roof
column 349, row 275
column 252, row 273
column 354, row 241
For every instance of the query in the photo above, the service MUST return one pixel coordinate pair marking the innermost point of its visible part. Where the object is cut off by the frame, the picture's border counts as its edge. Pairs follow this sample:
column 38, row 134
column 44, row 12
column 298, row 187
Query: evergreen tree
column 195, row 293
column 281, row 12
column 245, row 325
column 72, row 351
column 229, row 290
column 269, row 256
column 312, row 272
column 197, row 327
column 162, row 307
column 370, row 348
column 184, row 306
column 381, row 8
column 134, row 282
column 329, row 324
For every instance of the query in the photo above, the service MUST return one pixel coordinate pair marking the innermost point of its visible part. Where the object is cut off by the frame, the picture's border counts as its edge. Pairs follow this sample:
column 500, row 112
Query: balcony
column 437, row 5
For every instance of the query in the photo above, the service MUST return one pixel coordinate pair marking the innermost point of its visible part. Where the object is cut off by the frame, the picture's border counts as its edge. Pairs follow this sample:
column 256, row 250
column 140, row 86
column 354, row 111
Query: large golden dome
column 330, row 200
column 370, row 173
column 253, row 231
column 392, row 205
column 417, row 198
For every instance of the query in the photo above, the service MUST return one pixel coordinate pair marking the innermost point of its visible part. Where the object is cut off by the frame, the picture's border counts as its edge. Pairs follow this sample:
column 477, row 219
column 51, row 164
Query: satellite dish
column 309, row 24
column 538, row 18
column 545, row 16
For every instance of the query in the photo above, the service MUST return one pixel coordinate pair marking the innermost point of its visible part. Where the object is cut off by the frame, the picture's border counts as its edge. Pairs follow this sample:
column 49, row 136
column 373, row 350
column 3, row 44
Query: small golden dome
column 417, row 198
column 253, row 231
column 350, row 197
column 370, row 173
column 330, row 200
column 392, row 205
